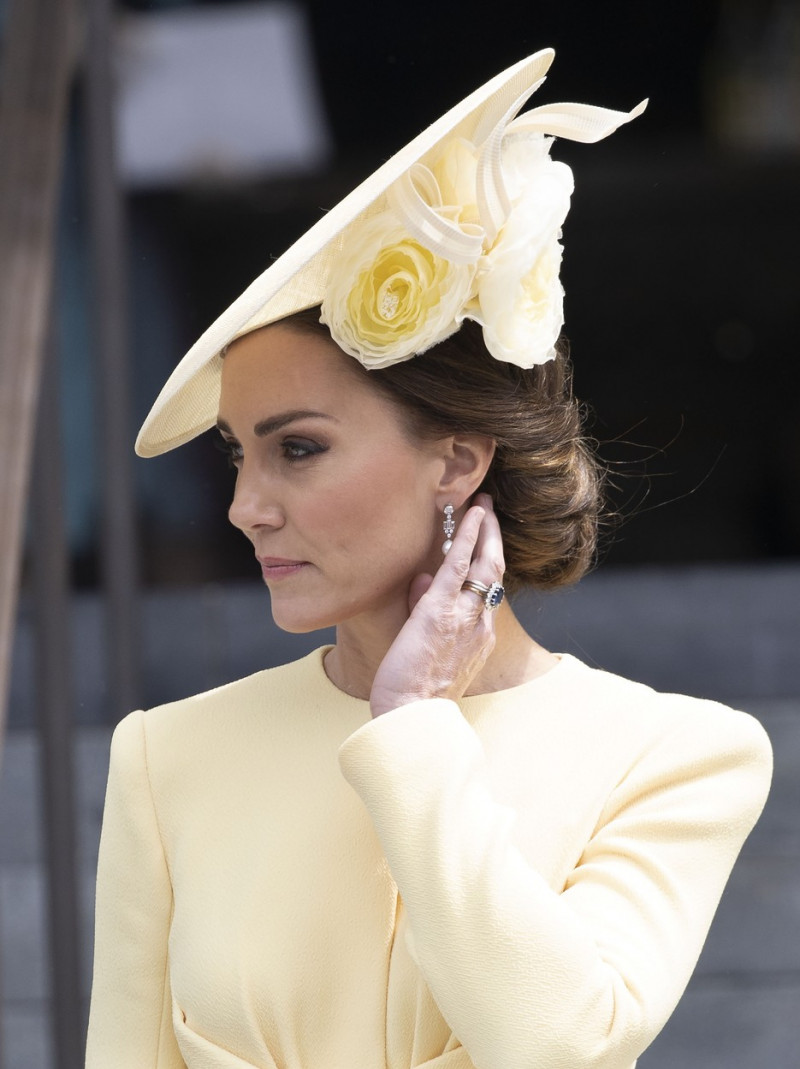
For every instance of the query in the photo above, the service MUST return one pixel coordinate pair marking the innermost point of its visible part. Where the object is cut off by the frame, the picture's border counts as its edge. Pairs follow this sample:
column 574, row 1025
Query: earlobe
column 467, row 460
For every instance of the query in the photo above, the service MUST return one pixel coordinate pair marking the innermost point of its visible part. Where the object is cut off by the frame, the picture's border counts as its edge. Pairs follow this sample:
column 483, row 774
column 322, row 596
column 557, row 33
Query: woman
column 434, row 843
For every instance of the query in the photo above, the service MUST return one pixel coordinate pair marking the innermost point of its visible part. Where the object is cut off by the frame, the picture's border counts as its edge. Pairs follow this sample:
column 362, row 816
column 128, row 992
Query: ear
column 467, row 458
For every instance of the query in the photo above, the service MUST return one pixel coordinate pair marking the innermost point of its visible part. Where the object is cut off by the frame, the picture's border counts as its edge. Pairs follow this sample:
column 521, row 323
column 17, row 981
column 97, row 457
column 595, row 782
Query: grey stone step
column 720, row 1025
column 27, row 1043
column 20, row 803
column 778, row 830
column 23, row 931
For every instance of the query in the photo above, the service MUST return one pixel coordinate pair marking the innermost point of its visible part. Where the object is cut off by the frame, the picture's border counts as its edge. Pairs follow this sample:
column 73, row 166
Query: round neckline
column 469, row 703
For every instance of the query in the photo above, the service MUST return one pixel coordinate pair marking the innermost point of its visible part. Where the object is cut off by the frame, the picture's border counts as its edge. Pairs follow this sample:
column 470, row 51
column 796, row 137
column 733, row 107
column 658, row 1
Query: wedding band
column 492, row 595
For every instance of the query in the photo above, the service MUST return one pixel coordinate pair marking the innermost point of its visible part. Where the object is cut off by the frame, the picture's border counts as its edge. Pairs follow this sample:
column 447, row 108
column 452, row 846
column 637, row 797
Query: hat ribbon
column 417, row 200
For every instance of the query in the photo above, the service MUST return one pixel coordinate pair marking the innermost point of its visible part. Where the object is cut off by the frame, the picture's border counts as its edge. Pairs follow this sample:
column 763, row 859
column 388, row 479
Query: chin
column 298, row 619
column 296, row 624
column 299, row 616
column 292, row 627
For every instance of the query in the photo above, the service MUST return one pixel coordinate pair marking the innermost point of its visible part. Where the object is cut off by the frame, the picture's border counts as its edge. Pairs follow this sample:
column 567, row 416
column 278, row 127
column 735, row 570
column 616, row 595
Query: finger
column 455, row 566
column 488, row 559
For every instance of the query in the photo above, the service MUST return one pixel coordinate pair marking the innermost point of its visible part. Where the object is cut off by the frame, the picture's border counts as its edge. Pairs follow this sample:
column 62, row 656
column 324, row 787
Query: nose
column 254, row 503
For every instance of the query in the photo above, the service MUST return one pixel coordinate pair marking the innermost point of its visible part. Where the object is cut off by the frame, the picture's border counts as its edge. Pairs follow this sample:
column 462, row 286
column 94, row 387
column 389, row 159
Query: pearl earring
column 449, row 528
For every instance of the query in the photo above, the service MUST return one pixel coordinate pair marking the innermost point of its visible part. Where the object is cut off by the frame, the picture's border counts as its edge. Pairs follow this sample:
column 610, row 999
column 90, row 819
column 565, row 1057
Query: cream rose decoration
column 519, row 299
column 389, row 298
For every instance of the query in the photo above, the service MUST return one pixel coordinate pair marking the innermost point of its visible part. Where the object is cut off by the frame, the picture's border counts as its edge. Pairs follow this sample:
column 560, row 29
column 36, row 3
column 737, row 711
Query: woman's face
column 339, row 503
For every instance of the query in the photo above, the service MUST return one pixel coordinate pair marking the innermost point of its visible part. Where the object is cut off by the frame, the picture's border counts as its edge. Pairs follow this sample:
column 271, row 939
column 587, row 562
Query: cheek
column 382, row 508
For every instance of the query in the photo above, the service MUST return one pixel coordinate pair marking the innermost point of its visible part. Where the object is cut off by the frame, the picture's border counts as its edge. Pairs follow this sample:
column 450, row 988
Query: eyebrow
column 268, row 426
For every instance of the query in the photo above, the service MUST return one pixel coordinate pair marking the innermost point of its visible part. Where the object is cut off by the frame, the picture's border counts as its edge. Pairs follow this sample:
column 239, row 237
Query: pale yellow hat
column 300, row 278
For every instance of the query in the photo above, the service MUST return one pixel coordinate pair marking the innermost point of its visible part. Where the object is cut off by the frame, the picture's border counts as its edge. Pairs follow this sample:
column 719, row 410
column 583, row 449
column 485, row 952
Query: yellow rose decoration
column 389, row 298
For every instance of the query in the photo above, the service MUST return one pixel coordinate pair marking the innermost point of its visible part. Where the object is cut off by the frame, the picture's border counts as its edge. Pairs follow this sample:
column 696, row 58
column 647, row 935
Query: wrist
column 385, row 703
column 379, row 706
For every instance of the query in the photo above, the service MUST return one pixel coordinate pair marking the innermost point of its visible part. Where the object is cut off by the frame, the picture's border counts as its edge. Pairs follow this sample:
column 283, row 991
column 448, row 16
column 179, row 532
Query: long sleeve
column 130, row 1024
column 584, row 975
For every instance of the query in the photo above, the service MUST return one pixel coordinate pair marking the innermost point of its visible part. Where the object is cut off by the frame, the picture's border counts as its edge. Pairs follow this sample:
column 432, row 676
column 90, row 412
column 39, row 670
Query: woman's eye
column 300, row 449
column 231, row 449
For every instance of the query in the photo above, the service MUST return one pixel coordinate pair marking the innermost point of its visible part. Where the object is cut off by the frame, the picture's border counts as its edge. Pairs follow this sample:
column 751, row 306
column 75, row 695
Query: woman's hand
column 449, row 634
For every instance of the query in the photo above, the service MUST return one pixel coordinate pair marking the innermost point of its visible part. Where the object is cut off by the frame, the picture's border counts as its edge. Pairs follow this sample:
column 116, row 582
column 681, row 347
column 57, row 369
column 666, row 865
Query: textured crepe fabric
column 522, row 880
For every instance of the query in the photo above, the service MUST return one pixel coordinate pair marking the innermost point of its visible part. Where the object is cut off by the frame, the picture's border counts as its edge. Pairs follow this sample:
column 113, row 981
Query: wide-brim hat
column 189, row 401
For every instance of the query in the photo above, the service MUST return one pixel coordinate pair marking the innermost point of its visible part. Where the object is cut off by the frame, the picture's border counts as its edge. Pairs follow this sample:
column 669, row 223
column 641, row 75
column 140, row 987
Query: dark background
column 680, row 265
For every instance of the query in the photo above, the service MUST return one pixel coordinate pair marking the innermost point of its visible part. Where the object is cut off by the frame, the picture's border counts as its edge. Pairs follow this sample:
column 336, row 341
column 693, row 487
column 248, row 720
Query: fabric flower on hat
column 394, row 294
column 470, row 232
column 390, row 298
column 455, row 172
column 520, row 299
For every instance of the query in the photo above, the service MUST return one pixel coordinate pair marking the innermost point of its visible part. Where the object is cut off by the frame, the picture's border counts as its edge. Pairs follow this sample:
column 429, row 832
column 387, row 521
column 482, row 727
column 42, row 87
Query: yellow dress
column 522, row 881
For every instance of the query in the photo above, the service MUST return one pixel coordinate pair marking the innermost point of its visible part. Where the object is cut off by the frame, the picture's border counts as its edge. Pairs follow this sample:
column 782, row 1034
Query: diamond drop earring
column 449, row 528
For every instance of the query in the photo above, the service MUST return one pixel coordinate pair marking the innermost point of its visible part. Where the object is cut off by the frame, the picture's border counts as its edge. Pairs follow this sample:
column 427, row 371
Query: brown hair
column 544, row 479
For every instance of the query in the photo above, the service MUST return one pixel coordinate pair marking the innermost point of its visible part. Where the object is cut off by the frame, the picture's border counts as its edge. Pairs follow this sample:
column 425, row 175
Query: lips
column 279, row 567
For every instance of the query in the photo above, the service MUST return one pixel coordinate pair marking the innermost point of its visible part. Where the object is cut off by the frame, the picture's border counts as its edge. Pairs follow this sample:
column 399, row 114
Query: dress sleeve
column 526, row 976
column 130, row 1025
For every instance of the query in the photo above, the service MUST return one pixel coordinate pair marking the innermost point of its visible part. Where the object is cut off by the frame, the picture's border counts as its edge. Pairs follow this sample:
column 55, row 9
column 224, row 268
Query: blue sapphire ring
column 491, row 595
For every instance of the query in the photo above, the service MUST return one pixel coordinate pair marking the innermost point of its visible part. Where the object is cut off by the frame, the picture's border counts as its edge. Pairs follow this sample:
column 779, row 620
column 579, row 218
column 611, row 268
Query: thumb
column 419, row 586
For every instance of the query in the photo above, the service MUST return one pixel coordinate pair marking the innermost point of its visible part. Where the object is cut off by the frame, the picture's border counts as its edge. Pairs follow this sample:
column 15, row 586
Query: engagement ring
column 492, row 595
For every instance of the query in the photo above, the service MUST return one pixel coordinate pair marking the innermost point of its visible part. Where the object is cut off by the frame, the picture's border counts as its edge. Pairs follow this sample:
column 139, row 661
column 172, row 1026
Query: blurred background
column 239, row 123
column 198, row 141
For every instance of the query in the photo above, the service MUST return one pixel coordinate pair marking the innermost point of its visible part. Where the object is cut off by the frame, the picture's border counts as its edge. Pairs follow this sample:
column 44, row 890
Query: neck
column 362, row 644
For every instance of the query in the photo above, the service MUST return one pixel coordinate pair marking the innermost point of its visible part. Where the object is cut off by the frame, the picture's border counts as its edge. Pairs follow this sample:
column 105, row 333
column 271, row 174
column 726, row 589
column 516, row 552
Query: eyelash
column 302, row 450
column 231, row 450
column 293, row 451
